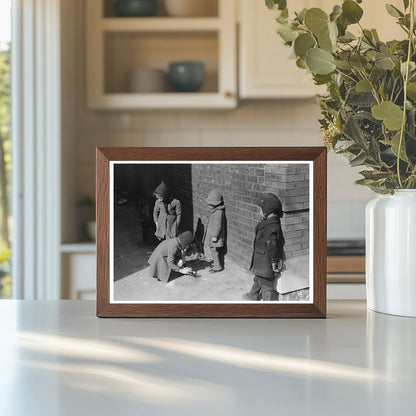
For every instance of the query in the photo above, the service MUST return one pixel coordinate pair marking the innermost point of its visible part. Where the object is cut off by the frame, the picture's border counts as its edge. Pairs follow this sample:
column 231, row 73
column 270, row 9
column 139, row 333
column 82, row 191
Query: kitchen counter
column 57, row 358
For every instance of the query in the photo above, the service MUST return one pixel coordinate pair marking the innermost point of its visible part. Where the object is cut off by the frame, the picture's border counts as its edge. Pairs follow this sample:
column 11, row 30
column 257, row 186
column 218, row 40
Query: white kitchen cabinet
column 78, row 263
column 118, row 45
column 265, row 70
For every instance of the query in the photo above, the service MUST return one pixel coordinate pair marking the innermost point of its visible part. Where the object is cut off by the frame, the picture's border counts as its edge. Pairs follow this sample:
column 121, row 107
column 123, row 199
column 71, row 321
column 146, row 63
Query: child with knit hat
column 169, row 256
column 268, row 254
column 215, row 232
column 167, row 213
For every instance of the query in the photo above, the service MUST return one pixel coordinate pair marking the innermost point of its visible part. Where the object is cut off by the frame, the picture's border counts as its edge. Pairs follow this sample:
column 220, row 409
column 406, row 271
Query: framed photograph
column 211, row 232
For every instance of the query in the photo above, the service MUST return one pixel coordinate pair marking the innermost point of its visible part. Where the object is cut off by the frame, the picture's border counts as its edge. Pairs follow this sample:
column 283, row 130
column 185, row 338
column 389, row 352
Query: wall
column 241, row 186
column 253, row 123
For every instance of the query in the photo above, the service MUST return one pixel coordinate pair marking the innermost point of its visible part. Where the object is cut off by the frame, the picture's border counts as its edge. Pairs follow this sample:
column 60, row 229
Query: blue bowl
column 135, row 8
column 186, row 76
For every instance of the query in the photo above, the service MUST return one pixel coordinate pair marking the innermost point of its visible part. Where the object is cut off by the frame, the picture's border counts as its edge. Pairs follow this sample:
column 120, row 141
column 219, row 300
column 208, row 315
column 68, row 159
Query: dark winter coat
column 164, row 259
column 167, row 217
column 216, row 227
column 268, row 247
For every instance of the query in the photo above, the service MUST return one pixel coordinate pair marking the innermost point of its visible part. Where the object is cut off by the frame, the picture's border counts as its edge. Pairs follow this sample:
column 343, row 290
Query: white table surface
column 57, row 358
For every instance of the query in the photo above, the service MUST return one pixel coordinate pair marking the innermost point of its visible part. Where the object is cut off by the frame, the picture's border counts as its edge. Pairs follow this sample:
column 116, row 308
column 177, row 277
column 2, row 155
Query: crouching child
column 268, row 254
column 169, row 256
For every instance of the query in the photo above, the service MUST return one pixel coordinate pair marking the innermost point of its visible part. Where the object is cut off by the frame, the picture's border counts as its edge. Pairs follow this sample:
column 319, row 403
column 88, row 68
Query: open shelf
column 210, row 9
column 160, row 24
column 127, row 51
column 116, row 46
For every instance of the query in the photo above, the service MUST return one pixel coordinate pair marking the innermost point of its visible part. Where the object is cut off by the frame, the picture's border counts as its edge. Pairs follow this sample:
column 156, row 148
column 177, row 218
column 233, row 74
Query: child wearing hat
column 169, row 255
column 167, row 213
column 215, row 232
column 268, row 254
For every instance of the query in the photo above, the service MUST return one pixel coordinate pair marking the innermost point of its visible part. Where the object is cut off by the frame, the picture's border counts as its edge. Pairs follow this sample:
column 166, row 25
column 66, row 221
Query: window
column 5, row 147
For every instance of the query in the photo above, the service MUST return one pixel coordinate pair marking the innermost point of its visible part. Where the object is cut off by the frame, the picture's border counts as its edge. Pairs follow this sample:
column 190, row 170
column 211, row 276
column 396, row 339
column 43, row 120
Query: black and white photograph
column 211, row 232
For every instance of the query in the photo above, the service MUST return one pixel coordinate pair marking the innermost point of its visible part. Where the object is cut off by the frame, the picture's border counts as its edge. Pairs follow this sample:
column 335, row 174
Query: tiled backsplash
column 288, row 123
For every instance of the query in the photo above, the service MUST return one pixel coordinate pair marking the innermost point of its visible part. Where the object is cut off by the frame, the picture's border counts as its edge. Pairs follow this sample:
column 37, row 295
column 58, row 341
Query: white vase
column 391, row 253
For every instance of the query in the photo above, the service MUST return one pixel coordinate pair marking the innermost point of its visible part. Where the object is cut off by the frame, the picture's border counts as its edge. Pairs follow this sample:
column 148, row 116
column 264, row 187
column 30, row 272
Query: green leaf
column 411, row 90
column 285, row 13
column 375, row 35
column 325, row 42
column 316, row 20
column 412, row 67
column 319, row 61
column 351, row 11
column 368, row 36
column 382, row 89
column 362, row 99
column 301, row 15
column 353, row 131
column 363, row 86
column 276, row 4
column 321, row 79
column 374, row 150
column 287, row 33
column 303, row 43
column 394, row 143
column 384, row 62
column 342, row 25
column 336, row 12
column 393, row 11
column 343, row 145
column 374, row 174
column 388, row 112
column 396, row 70
column 358, row 61
column 301, row 63
column 344, row 65
column 358, row 160
column 333, row 32
column 365, row 182
column 347, row 37
column 406, row 4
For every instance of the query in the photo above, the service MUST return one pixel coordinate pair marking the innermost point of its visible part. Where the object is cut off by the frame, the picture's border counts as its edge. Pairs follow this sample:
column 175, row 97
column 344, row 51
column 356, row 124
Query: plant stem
column 406, row 79
column 346, row 75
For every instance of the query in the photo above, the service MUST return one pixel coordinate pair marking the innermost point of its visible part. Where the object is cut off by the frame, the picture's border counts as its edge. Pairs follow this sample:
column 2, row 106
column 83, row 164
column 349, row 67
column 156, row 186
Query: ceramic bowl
column 147, row 80
column 186, row 76
column 135, row 8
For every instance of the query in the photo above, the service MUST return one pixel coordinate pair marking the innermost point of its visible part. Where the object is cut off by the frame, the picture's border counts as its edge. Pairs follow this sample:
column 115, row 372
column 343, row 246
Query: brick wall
column 241, row 185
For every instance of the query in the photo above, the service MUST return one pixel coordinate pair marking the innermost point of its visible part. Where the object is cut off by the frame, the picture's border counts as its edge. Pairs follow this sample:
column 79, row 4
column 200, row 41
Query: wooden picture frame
column 232, row 171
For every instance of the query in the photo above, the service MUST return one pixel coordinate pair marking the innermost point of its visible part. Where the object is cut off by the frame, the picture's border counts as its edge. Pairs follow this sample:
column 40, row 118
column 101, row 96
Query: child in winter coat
column 268, row 254
column 215, row 232
column 167, row 213
column 169, row 256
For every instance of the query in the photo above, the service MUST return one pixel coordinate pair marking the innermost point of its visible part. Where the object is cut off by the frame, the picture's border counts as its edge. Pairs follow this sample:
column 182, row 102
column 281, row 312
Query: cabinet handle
column 229, row 94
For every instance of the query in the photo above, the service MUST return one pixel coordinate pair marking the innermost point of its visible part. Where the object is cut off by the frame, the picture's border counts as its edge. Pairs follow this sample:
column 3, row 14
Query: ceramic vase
column 391, row 253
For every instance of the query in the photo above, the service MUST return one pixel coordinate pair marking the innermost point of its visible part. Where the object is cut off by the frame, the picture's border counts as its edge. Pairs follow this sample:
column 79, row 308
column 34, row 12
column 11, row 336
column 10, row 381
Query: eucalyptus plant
column 369, row 111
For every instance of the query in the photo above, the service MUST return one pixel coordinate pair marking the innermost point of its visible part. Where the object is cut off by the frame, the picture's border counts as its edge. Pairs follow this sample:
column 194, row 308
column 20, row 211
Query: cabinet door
column 78, row 276
column 266, row 71
column 265, row 68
